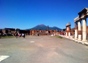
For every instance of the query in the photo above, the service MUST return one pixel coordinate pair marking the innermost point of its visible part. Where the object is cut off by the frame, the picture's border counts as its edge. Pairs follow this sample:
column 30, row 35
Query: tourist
column 23, row 35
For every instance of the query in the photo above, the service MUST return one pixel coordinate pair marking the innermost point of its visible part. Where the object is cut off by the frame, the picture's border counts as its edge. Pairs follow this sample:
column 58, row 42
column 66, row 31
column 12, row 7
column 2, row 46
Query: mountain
column 55, row 28
column 40, row 27
column 44, row 27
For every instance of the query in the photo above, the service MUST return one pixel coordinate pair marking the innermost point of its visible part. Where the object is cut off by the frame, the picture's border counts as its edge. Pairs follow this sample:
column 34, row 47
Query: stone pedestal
column 79, row 37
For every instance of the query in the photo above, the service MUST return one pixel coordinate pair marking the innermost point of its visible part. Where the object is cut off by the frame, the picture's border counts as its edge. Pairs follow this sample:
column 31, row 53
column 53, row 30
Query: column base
column 79, row 38
column 76, row 38
column 86, row 43
column 78, row 41
column 84, row 40
column 67, row 36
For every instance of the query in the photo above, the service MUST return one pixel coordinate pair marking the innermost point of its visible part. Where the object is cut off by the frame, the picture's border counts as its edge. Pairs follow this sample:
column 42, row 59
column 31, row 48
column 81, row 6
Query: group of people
column 19, row 35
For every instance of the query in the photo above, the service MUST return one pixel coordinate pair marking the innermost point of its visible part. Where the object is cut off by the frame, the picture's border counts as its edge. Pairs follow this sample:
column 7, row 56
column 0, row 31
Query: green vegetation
column 59, row 37
column 3, row 37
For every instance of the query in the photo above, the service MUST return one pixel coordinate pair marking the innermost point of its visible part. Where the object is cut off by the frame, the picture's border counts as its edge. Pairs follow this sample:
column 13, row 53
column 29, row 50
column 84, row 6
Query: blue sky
column 25, row 14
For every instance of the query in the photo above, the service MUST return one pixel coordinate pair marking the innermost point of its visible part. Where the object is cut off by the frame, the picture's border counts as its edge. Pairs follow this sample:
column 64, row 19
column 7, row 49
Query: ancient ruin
column 81, row 25
column 68, row 29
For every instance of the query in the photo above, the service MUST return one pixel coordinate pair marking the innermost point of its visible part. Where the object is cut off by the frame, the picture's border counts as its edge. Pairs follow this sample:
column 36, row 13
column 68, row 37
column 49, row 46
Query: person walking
column 23, row 35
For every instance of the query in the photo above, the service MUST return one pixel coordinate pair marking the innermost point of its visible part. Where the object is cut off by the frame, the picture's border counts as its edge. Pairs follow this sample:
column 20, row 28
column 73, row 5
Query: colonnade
column 81, row 25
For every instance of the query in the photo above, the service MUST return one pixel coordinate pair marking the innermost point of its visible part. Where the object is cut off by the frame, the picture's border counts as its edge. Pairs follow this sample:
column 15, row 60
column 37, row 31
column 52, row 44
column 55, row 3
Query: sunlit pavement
column 71, row 38
column 42, row 49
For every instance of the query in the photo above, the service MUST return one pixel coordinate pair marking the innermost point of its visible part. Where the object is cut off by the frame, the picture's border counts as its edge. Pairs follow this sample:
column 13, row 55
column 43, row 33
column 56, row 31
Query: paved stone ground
column 43, row 49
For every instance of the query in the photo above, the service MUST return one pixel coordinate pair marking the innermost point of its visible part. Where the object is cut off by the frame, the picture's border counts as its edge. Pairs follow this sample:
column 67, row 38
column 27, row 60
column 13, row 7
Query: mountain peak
column 44, row 27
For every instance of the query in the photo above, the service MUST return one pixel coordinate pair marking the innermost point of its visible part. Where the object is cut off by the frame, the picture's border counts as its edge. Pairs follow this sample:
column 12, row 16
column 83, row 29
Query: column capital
column 76, row 19
column 84, row 18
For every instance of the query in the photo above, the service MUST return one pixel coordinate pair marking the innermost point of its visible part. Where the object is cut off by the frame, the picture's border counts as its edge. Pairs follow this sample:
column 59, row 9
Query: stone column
column 68, row 30
column 84, row 33
column 66, row 33
column 76, row 31
column 79, row 31
column 69, row 34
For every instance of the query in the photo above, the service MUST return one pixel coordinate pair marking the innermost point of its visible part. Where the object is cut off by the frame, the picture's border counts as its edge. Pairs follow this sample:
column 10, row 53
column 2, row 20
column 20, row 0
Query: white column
column 76, row 32
column 84, row 33
column 66, row 33
column 79, row 29
column 69, row 34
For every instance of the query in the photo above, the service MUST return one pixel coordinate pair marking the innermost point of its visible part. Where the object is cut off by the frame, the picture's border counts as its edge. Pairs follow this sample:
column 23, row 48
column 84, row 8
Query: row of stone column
column 81, row 25
column 80, row 30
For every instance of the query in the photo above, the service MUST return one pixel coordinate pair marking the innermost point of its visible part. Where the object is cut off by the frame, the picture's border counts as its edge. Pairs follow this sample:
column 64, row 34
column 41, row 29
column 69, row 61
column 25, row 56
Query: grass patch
column 7, row 37
column 59, row 37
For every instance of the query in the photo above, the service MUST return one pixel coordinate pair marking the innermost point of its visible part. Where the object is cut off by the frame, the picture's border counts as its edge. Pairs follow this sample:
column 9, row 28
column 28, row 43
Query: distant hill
column 44, row 27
